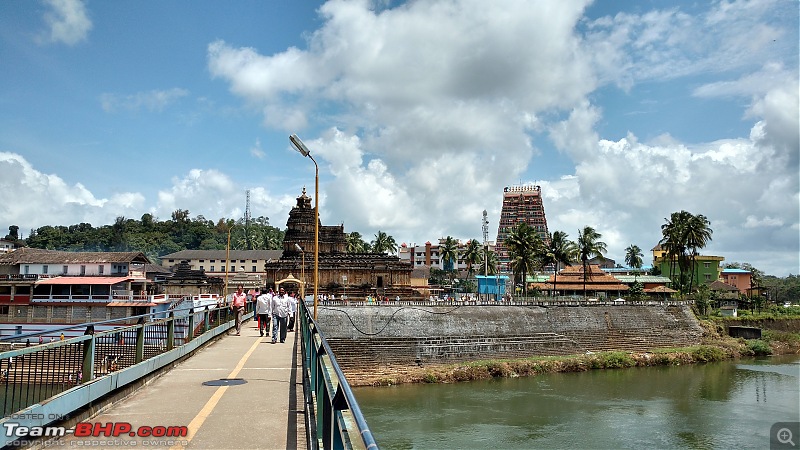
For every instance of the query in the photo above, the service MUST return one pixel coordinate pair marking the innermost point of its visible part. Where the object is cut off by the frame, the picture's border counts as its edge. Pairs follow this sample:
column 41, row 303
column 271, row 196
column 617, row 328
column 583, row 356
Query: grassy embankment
column 715, row 346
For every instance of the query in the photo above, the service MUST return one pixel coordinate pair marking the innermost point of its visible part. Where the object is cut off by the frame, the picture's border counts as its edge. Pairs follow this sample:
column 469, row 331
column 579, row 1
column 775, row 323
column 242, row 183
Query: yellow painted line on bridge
column 201, row 416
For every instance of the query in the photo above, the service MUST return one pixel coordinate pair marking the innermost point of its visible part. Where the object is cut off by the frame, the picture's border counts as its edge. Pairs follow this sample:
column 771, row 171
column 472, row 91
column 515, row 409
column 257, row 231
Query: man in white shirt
column 280, row 311
column 292, row 311
column 264, row 311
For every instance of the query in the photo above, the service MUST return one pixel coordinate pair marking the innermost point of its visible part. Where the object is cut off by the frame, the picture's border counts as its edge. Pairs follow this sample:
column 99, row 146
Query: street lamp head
column 298, row 144
column 299, row 249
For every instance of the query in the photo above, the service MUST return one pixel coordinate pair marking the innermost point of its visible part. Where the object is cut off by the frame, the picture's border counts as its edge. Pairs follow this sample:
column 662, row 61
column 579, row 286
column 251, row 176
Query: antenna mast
column 485, row 244
column 247, row 221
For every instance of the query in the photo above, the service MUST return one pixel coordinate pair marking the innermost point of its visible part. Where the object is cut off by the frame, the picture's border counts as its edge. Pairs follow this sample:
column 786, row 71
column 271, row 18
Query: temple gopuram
column 340, row 273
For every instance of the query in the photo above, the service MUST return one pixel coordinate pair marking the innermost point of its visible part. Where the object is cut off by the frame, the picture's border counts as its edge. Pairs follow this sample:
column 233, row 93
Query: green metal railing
column 41, row 383
column 335, row 419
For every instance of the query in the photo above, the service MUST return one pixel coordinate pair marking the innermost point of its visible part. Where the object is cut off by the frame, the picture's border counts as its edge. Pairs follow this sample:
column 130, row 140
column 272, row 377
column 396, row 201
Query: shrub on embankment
column 714, row 348
column 488, row 369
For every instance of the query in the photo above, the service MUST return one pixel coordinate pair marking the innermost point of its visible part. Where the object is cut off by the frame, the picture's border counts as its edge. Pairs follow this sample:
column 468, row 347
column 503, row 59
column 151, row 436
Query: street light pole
column 302, row 272
column 298, row 144
column 227, row 262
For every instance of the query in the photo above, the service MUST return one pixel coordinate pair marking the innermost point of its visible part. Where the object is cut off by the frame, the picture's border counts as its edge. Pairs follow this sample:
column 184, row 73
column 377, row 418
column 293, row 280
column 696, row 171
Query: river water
column 732, row 404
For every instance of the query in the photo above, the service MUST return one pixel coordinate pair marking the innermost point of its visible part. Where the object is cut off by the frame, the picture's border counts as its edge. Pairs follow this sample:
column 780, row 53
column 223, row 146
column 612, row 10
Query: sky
column 418, row 114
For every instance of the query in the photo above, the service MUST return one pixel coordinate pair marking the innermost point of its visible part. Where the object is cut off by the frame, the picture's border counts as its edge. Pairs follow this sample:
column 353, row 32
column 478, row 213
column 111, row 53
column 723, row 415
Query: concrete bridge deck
column 239, row 392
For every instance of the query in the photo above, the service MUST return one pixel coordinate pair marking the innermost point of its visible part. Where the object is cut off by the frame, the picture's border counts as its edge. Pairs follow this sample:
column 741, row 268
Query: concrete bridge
column 211, row 389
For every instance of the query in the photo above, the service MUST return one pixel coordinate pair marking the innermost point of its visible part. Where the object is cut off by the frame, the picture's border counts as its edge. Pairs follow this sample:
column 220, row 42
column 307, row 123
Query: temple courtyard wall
column 366, row 339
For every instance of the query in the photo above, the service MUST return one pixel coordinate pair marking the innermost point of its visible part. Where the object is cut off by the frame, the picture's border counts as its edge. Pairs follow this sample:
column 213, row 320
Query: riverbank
column 715, row 346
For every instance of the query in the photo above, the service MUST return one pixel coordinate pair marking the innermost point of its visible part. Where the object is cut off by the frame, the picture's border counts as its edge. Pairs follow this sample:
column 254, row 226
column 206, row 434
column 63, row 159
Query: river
column 731, row 404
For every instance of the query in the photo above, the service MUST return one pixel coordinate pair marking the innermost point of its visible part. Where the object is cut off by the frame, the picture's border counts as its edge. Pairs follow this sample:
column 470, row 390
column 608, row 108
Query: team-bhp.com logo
column 86, row 429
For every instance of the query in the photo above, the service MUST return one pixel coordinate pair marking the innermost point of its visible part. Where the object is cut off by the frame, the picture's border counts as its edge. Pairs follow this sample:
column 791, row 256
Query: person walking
column 292, row 311
column 239, row 300
column 280, row 311
column 264, row 311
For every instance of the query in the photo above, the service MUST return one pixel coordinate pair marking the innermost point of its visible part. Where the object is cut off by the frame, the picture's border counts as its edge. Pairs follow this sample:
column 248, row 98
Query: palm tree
column 472, row 254
column 488, row 261
column 682, row 236
column 355, row 243
column 525, row 249
column 673, row 246
column 589, row 246
column 448, row 252
column 633, row 258
column 384, row 243
column 560, row 250
column 697, row 234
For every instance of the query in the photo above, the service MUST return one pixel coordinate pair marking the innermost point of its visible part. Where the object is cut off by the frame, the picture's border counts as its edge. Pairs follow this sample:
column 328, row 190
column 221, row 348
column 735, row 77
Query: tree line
column 683, row 235
column 154, row 237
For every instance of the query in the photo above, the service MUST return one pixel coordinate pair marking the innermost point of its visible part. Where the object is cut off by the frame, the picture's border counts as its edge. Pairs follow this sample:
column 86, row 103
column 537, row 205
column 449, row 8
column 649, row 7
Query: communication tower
column 247, row 221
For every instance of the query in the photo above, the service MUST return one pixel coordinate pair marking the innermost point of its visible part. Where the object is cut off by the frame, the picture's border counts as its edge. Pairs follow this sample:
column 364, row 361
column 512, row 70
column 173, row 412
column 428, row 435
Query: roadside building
column 706, row 268
column 46, row 286
column 741, row 279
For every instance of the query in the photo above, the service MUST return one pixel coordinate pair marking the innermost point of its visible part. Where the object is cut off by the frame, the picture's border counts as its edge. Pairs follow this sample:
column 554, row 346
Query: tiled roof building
column 569, row 281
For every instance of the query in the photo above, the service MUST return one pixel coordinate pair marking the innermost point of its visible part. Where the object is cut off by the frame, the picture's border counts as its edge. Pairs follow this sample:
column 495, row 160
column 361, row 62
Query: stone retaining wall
column 367, row 338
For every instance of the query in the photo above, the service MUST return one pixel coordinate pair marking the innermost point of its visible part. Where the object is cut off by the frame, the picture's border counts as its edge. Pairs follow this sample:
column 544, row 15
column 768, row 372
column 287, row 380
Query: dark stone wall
column 367, row 337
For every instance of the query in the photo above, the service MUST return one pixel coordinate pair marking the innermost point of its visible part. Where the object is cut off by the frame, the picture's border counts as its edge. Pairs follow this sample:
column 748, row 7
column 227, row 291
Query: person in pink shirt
column 239, row 300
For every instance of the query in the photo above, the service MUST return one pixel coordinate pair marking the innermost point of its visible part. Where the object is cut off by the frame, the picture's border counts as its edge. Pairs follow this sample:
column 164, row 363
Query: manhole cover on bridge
column 225, row 382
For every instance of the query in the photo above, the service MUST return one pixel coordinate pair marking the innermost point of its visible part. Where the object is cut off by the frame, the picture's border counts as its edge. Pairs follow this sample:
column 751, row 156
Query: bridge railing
column 335, row 419
column 521, row 301
column 40, row 384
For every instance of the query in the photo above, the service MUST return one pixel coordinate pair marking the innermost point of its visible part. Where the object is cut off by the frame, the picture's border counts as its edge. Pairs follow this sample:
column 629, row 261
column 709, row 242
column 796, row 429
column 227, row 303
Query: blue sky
column 419, row 113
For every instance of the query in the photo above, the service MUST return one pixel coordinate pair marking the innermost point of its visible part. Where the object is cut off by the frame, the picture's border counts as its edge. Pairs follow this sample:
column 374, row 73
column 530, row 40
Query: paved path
column 265, row 411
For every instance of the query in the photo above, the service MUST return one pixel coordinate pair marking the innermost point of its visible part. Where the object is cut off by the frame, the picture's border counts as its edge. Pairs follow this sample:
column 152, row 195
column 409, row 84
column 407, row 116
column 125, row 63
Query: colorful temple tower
column 520, row 204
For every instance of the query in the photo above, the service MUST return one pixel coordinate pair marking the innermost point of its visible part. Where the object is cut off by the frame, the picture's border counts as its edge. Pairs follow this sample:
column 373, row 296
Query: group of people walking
column 278, row 309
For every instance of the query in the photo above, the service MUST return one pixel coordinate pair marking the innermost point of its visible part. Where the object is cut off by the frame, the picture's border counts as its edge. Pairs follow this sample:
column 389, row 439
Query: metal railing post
column 171, row 331
column 89, row 348
column 190, row 330
column 140, row 341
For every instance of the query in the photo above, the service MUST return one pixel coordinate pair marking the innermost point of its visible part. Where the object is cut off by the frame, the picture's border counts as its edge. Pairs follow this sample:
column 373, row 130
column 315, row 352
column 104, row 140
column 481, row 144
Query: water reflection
column 719, row 405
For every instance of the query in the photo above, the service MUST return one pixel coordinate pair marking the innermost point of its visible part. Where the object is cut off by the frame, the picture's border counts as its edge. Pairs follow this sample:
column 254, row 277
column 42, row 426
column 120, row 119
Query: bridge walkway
column 239, row 392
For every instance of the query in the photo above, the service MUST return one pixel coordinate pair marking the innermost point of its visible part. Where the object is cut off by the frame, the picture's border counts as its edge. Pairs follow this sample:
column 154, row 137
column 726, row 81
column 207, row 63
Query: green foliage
column 155, row 238
column 636, row 290
column 526, row 250
column 430, row 377
column 614, row 360
column 682, row 236
column 356, row 244
column 758, row 347
column 384, row 243
column 781, row 336
column 438, row 277
column 702, row 299
column 707, row 353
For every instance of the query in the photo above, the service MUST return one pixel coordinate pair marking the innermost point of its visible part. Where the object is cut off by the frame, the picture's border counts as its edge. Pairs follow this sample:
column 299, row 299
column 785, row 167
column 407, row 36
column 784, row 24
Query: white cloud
column 215, row 195
column 41, row 199
column 256, row 150
column 154, row 100
column 67, row 20
column 439, row 103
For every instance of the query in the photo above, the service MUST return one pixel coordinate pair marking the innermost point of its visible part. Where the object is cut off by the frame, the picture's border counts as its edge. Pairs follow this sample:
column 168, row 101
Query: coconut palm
column 355, row 243
column 488, row 262
column 448, row 252
column 384, row 243
column 525, row 249
column 633, row 258
column 589, row 246
column 683, row 235
column 472, row 255
column 697, row 234
column 560, row 250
